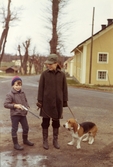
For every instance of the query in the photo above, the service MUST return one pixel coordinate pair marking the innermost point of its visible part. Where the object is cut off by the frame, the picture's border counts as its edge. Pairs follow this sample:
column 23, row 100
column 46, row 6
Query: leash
column 30, row 112
column 57, row 119
column 71, row 111
column 47, row 114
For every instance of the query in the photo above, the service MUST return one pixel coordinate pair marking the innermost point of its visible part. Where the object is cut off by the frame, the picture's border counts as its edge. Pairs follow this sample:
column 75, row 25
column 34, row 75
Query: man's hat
column 51, row 59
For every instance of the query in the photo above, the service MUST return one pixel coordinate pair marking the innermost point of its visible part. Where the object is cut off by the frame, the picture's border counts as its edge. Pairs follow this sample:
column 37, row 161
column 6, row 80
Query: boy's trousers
column 15, row 122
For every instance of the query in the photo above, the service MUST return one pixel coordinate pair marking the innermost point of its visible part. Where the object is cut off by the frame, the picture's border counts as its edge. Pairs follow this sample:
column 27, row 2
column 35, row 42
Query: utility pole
column 91, row 50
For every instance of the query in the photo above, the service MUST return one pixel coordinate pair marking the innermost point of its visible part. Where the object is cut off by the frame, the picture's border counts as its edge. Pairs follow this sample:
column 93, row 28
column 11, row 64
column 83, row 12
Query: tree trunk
column 26, row 56
column 21, row 66
column 54, row 39
column 3, row 38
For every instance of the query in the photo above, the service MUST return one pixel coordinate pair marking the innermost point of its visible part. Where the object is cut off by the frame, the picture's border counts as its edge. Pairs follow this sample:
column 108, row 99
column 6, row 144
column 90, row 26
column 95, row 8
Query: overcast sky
column 32, row 23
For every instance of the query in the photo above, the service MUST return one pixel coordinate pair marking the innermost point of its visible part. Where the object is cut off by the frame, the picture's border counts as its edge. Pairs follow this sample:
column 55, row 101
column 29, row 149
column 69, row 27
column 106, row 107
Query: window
column 102, row 75
column 102, row 57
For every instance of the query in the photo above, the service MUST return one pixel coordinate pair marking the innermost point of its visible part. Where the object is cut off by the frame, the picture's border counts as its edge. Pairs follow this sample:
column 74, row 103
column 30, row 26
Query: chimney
column 110, row 21
column 103, row 26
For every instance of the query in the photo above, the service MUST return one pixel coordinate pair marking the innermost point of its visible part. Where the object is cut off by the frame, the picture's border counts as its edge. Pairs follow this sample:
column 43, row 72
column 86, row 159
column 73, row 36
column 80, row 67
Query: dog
column 85, row 131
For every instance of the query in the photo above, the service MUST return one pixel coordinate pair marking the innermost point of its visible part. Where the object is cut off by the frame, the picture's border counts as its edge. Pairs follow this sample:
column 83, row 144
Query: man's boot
column 26, row 141
column 55, row 138
column 45, row 139
column 16, row 145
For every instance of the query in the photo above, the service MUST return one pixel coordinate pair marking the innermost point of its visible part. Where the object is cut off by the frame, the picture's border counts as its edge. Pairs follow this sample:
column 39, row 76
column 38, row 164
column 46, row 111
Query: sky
column 33, row 23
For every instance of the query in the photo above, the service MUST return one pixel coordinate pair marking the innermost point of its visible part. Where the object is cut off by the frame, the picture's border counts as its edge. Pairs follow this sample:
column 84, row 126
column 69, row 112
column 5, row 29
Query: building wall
column 79, row 66
column 83, row 64
column 101, row 44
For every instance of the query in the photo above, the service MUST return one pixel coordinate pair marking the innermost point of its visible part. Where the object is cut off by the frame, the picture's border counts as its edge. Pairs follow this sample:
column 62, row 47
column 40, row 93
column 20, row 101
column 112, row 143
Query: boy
column 15, row 100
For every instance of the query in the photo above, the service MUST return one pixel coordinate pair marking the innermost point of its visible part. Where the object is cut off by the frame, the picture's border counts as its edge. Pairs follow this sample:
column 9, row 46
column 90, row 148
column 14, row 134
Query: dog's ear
column 75, row 126
column 69, row 121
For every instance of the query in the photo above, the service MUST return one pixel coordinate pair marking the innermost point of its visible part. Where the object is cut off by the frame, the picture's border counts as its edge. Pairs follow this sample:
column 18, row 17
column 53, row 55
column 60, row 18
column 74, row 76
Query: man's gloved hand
column 39, row 104
column 65, row 104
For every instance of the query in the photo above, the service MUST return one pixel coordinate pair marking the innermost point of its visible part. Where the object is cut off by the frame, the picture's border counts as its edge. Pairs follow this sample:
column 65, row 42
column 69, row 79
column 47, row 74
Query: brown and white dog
column 85, row 131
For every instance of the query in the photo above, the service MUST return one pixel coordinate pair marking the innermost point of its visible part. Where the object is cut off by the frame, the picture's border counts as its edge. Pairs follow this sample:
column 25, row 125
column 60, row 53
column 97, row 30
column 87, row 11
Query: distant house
column 17, row 62
column 102, row 58
column 13, row 69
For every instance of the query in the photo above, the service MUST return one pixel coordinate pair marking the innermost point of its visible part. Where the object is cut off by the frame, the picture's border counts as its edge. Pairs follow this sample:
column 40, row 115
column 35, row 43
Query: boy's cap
column 16, row 78
column 51, row 59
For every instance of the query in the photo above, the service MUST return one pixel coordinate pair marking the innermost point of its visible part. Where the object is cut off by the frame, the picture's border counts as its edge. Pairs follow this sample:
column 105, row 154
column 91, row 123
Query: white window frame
column 100, row 79
column 102, row 62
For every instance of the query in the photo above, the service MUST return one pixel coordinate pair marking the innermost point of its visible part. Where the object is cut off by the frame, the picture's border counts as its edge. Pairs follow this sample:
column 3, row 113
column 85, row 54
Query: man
column 52, row 97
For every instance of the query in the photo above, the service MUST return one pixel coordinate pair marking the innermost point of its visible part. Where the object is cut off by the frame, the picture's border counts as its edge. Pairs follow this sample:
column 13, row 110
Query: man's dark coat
column 52, row 93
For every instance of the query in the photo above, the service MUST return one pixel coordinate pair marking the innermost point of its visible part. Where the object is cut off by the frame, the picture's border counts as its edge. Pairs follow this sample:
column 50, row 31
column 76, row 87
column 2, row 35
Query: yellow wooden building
column 95, row 68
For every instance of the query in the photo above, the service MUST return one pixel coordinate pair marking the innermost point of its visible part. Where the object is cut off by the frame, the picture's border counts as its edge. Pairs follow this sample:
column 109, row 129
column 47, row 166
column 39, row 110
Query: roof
column 69, row 59
column 14, row 68
column 103, row 29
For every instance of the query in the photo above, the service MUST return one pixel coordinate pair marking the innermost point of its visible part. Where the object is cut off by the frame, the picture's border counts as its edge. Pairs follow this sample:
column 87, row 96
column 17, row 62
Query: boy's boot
column 26, row 141
column 55, row 138
column 16, row 145
column 45, row 139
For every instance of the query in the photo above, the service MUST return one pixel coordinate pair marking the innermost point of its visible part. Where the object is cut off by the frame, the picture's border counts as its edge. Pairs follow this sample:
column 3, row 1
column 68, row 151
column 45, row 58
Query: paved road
column 78, row 98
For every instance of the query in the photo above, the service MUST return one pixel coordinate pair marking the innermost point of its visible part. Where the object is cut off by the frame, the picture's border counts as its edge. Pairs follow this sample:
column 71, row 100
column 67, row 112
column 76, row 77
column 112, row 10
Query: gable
column 100, row 33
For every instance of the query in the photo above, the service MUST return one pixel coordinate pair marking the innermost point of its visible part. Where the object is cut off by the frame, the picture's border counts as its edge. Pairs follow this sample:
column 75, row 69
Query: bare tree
column 8, row 16
column 54, row 39
column 56, row 42
column 25, row 58
column 32, row 60
column 21, row 61
column 26, row 55
column 5, row 31
column 58, row 26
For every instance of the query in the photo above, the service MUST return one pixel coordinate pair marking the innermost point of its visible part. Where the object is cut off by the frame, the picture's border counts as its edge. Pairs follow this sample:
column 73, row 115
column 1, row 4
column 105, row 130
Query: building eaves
column 93, row 36
column 69, row 59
